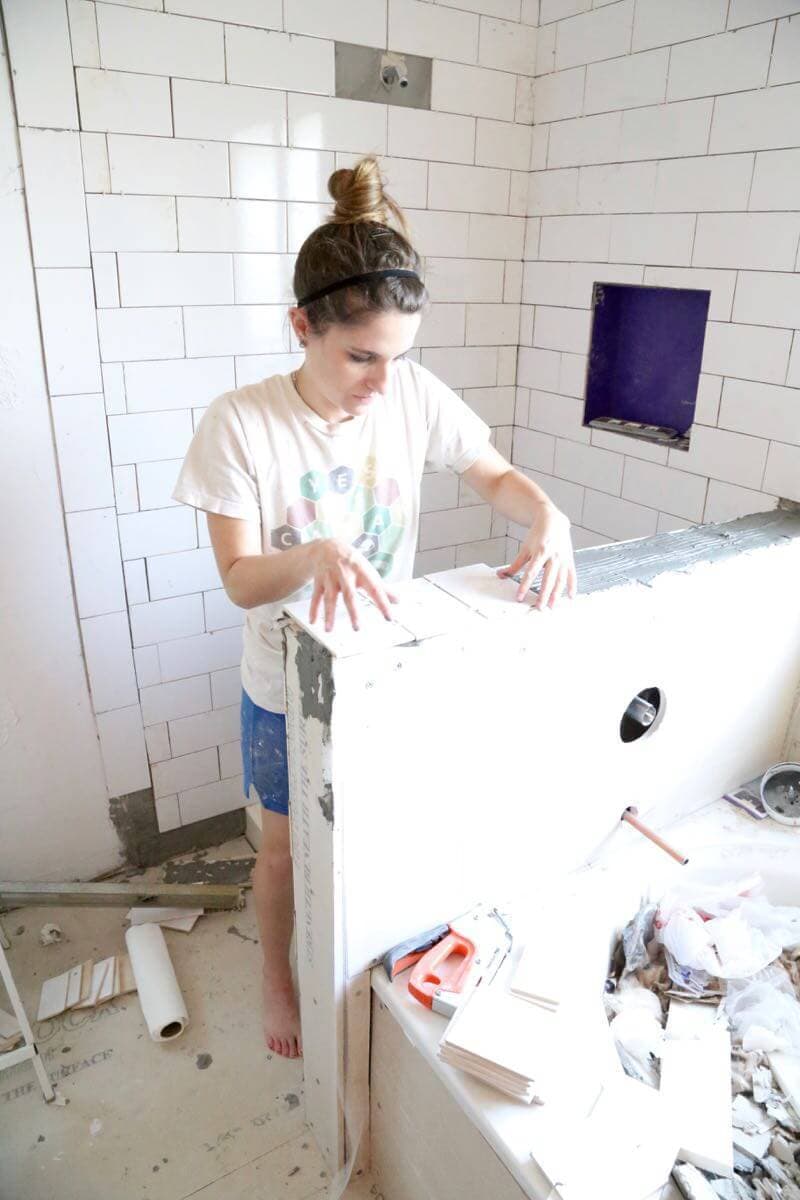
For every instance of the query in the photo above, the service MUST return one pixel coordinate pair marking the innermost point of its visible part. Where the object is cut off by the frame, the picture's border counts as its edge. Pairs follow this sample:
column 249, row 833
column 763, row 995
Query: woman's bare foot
column 281, row 1015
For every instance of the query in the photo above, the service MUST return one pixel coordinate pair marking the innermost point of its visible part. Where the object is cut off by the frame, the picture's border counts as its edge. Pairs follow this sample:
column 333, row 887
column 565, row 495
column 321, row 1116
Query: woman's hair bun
column 359, row 196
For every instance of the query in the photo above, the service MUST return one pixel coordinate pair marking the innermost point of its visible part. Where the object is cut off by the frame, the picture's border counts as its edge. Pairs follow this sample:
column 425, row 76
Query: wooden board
column 185, row 895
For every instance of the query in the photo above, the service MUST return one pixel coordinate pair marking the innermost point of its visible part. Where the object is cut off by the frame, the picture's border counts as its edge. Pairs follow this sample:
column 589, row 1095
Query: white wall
column 174, row 161
column 665, row 152
column 54, row 820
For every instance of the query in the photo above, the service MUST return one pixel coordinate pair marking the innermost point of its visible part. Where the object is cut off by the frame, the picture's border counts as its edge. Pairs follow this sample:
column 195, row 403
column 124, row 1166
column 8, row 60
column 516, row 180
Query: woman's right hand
column 341, row 570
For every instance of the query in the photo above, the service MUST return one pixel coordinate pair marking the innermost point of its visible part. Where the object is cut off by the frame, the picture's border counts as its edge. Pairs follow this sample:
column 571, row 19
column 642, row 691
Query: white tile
column 558, row 96
column 443, row 234
column 572, row 375
column 264, row 14
column 617, row 188
column 248, row 226
column 557, row 10
column 157, row 741
column 208, row 729
column 94, row 152
column 406, row 180
column 726, row 502
column 728, row 62
column 785, row 66
column 188, row 771
column 162, row 531
column 629, row 446
column 96, row 566
column 83, row 33
column 182, row 574
column 56, row 216
column 139, row 333
column 252, row 368
column 659, row 24
column 168, row 814
column 135, row 582
column 279, row 60
column 675, row 492
column 491, row 551
column 492, row 324
column 181, row 698
column 567, row 496
column 468, row 189
column 159, row 44
column 148, row 673
column 761, row 409
column 592, row 36
column 346, row 23
column 709, row 393
column 324, row 123
column 776, row 180
column 503, row 144
column 147, row 437
column 181, row 616
column 464, row 279
column 652, row 239
column 533, row 230
column 109, row 661
column 545, row 50
column 132, row 223
column 172, row 166
column 629, row 82
column 518, row 194
column 749, row 241
column 782, row 477
column 227, row 113
column 538, row 369
column 540, row 137
column 429, row 562
column 553, row 192
column 474, row 91
column 204, row 652
column 721, row 454
column 506, row 375
column 276, row 173
column 157, row 482
column 747, row 351
column 667, row 131
column 494, row 405
column 39, row 49
column 620, row 519
column 719, row 283
column 230, row 757
column 570, row 238
column 122, row 102
column 221, row 612
column 586, row 140
column 179, row 279
column 715, row 183
column 763, row 298
column 438, row 529
column 263, row 278
column 534, row 450
column 747, row 12
column 793, row 374
column 123, row 750
column 106, row 280
column 589, row 465
column 585, row 539
column 113, row 387
column 69, row 330
column 561, row 416
column 125, row 490
column 570, row 284
column 507, row 46
column 79, row 423
column 461, row 366
column 562, row 329
column 301, row 220
column 765, row 119
column 432, row 31
column 199, row 803
column 523, row 109
column 512, row 290
column 415, row 133
column 238, row 329
column 442, row 325
column 180, row 383
column 499, row 8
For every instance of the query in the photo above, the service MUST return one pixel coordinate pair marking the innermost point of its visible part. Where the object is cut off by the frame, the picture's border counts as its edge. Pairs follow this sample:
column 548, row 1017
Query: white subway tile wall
column 665, row 152
column 568, row 142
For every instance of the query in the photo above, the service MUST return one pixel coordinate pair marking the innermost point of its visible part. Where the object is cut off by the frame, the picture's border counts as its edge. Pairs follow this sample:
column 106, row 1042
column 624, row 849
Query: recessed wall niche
column 644, row 361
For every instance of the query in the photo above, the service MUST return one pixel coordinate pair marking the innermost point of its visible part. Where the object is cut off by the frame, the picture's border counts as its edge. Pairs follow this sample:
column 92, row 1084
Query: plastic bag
column 764, row 1012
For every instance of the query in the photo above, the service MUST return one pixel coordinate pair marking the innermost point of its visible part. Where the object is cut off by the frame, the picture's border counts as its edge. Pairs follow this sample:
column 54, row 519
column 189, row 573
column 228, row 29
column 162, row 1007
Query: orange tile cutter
column 449, row 961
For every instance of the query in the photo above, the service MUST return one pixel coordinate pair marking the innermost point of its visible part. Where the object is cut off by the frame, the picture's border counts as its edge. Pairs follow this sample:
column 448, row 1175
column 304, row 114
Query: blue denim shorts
column 264, row 755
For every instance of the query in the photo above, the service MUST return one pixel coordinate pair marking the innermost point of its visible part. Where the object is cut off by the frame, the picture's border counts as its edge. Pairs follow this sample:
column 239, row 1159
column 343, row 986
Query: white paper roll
column 159, row 995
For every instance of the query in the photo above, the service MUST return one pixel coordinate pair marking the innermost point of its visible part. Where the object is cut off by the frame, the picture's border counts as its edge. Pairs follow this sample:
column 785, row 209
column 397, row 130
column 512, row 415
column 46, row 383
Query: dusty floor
column 213, row 1115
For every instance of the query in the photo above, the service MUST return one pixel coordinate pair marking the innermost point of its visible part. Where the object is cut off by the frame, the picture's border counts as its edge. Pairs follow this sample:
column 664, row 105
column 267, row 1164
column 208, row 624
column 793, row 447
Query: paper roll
column 159, row 995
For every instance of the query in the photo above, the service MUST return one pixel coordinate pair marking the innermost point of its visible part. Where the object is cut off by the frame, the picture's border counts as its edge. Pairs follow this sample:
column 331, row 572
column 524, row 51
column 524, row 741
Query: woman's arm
column 251, row 577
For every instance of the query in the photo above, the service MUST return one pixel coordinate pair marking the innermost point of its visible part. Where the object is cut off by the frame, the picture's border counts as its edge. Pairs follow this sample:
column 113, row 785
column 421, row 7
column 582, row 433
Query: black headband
column 353, row 279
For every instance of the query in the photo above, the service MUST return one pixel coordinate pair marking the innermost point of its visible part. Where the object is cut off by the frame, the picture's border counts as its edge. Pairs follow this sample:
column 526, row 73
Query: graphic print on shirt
column 362, row 510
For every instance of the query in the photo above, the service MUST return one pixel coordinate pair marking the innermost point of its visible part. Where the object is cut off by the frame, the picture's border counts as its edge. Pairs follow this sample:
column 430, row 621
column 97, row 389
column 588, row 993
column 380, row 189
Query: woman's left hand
column 549, row 546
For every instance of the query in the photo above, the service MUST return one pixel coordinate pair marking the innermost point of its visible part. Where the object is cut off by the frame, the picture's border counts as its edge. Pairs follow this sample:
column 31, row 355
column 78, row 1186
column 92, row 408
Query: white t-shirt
column 262, row 454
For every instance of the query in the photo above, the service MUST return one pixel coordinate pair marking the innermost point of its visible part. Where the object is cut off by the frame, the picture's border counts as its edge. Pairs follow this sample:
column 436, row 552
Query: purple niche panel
column 646, row 349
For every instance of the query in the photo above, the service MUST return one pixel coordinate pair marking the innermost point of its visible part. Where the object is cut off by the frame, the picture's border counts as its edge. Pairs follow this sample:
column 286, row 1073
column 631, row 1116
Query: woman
column 311, row 480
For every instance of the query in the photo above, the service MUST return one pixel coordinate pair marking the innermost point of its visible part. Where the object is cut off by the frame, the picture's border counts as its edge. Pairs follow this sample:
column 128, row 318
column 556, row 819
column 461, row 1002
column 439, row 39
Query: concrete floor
column 213, row 1115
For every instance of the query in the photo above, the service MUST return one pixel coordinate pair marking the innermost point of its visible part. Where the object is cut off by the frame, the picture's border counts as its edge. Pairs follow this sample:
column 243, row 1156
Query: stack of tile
column 86, row 985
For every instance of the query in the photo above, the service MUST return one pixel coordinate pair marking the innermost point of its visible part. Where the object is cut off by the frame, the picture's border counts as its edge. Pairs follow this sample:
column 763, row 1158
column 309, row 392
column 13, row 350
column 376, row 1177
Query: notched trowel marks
column 199, row 869
column 315, row 675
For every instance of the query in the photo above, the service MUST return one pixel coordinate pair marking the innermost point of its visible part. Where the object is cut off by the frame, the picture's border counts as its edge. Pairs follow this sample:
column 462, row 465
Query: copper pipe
column 629, row 816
